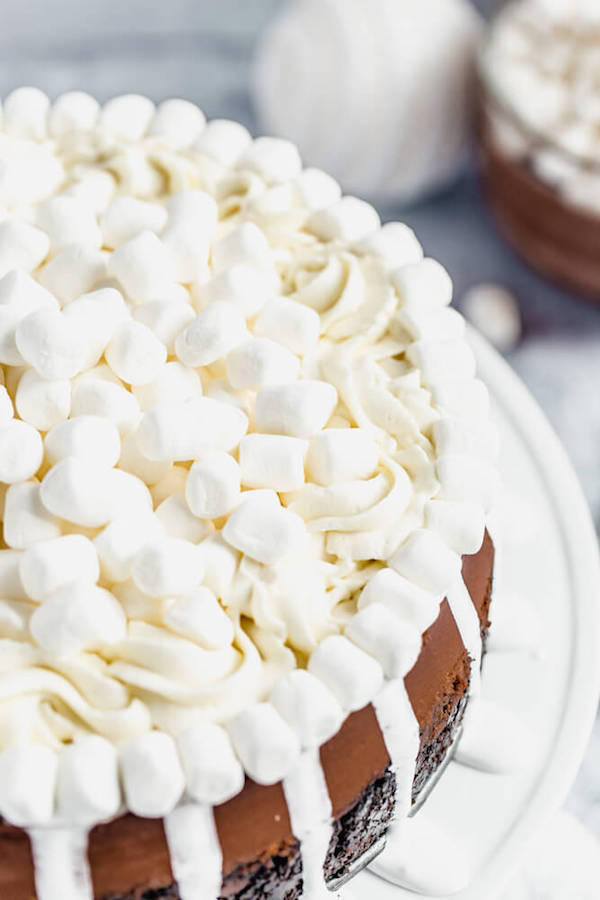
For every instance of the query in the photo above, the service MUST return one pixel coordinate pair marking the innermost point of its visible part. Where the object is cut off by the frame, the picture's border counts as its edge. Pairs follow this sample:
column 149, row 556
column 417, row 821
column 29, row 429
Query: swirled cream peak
column 229, row 400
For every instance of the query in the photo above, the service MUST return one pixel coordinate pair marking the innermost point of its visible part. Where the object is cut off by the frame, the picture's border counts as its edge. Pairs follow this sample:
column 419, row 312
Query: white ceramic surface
column 550, row 565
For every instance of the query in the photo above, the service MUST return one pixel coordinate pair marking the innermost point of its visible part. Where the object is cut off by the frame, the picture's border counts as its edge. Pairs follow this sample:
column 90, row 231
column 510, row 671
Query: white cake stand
column 549, row 575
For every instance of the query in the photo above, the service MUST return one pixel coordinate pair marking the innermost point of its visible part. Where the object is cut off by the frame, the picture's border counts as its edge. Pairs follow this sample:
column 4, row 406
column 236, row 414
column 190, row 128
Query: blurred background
column 204, row 51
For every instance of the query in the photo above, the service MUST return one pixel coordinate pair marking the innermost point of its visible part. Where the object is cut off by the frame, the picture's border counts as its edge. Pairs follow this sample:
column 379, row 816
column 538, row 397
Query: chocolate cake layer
column 261, row 858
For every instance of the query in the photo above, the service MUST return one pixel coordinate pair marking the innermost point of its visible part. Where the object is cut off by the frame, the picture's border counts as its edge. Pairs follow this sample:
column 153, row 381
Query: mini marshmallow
column 22, row 246
column 88, row 789
column 143, row 265
column 6, row 407
column 425, row 282
column 461, row 397
column 10, row 578
column 174, row 382
column 97, row 316
column 27, row 784
column 94, row 187
column 172, row 484
column 25, row 113
column 298, row 410
column 212, row 334
column 317, row 189
column 51, row 343
column 353, row 676
column 20, row 291
column 74, row 271
column 190, row 229
column 21, row 452
column 195, row 209
column 43, row 403
column 272, row 461
column 413, row 605
column 220, row 564
column 265, row 744
column 259, row 362
column 424, row 323
column 49, row 565
column 308, row 706
column 133, row 460
column 213, row 486
column 245, row 244
column 223, row 140
column 178, row 123
column 126, row 217
column 26, row 520
column 165, row 319
column 394, row 243
column 348, row 219
column 468, row 478
column 275, row 159
column 182, row 431
column 426, row 560
column 135, row 354
column 178, row 521
column 341, row 454
column 292, row 324
column 246, row 287
column 73, row 111
column 126, row 117
column 213, row 773
column 129, row 494
column 98, row 397
column 455, row 437
column 118, row 543
column 199, row 617
column 91, row 438
column 167, row 567
column 262, row 529
column 393, row 643
column 66, row 220
column 79, row 491
column 442, row 359
column 76, row 617
column 153, row 780
column 460, row 525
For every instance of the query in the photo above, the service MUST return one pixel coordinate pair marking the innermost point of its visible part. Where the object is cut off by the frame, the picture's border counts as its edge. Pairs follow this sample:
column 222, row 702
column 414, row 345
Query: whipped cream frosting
column 242, row 449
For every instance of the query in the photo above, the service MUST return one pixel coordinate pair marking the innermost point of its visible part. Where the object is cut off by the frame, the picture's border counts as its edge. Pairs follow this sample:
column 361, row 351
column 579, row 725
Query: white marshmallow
column 6, row 407
column 464, row 398
column 88, row 789
column 212, row 771
column 21, row 451
column 73, row 111
column 393, row 643
column 455, row 437
column 442, row 359
column 177, row 122
column 25, row 113
column 317, row 189
column 118, row 543
column 94, row 187
column 66, row 220
column 79, row 491
column 460, row 525
column 20, row 295
column 394, row 243
column 165, row 319
column 167, row 567
column 308, row 706
column 298, row 410
column 43, row 403
column 10, row 578
column 194, row 209
column 220, row 564
column 91, row 438
column 292, row 324
column 97, row 316
column 174, row 383
column 272, row 461
column 27, row 784
column 135, row 354
column 144, row 267
column 426, row 560
column 468, row 478
column 178, row 521
column 126, row 217
column 153, row 780
column 352, row 675
column 98, row 397
column 190, row 229
column 412, row 604
column 129, row 494
column 246, row 244
column 199, row 617
column 262, row 529
column 223, row 140
column 265, row 744
column 348, row 219
column 51, row 343
column 246, row 287
column 425, row 282
column 26, row 520
column 49, row 565
column 22, row 246
column 274, row 158
column 126, row 117
column 212, row 334
column 184, row 431
column 213, row 486
column 427, row 323
column 341, row 454
column 76, row 617
column 133, row 460
column 74, row 271
column 259, row 362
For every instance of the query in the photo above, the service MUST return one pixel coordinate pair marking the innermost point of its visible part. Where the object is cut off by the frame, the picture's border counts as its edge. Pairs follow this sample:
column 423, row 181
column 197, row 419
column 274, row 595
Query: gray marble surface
column 202, row 51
